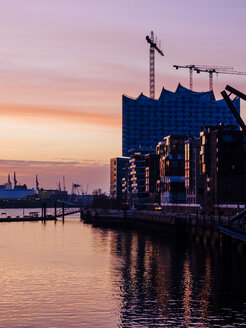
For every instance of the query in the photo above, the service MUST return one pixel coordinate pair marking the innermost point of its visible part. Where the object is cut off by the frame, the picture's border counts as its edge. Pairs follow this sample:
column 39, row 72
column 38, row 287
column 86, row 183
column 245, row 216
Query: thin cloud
column 29, row 164
column 95, row 174
column 21, row 112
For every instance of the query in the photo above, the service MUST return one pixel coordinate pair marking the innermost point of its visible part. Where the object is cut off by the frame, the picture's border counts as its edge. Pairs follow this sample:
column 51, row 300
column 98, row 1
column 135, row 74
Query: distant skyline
column 64, row 66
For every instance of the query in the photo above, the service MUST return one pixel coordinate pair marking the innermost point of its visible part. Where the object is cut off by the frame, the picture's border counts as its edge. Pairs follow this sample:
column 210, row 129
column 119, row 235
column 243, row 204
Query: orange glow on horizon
column 31, row 113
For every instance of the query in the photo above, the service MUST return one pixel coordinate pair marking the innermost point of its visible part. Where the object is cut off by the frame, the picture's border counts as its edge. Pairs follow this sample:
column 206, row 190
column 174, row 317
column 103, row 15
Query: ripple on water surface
column 75, row 275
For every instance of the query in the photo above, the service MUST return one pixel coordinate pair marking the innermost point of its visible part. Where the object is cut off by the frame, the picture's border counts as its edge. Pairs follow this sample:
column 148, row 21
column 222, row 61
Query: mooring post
column 55, row 205
column 42, row 209
column 63, row 211
column 81, row 214
column 45, row 210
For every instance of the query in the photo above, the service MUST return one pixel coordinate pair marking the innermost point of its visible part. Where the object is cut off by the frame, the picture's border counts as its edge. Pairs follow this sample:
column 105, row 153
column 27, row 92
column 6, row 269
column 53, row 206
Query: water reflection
column 75, row 275
column 163, row 281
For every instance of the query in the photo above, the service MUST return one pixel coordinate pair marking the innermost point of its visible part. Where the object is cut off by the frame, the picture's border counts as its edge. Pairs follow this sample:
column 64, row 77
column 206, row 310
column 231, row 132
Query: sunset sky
column 64, row 65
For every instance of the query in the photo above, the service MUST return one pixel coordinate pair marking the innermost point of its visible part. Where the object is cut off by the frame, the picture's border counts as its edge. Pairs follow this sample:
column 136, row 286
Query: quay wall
column 218, row 210
column 202, row 229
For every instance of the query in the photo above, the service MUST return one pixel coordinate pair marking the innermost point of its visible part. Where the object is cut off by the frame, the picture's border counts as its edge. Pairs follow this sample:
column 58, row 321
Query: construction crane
column 75, row 189
column 153, row 46
column 9, row 181
column 191, row 68
column 200, row 68
column 37, row 182
column 217, row 70
column 64, row 184
column 15, row 180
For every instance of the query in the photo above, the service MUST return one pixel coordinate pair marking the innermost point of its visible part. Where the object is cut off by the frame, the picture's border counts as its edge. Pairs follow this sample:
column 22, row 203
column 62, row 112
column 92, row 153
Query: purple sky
column 64, row 66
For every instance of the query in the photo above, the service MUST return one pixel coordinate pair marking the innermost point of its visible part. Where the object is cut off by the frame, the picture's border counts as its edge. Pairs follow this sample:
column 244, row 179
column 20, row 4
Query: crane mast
column 15, row 180
column 152, row 70
column 153, row 46
column 191, row 78
column 191, row 68
column 37, row 182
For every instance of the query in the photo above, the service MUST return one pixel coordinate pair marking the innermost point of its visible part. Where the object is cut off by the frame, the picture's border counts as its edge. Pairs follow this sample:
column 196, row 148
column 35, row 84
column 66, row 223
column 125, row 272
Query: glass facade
column 146, row 121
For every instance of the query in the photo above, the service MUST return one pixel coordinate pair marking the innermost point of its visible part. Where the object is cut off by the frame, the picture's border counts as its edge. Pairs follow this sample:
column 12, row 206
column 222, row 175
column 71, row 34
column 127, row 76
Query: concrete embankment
column 155, row 218
column 204, row 229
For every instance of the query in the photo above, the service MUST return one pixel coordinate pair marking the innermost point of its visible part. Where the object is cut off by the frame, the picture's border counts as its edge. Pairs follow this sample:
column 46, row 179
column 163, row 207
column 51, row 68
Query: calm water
column 74, row 275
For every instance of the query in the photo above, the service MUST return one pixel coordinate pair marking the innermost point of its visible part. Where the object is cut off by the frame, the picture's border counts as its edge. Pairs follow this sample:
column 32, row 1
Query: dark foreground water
column 74, row 275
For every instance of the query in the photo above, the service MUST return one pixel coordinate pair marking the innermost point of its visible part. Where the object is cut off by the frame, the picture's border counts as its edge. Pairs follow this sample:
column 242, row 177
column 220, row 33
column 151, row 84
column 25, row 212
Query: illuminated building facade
column 172, row 169
column 152, row 175
column 223, row 165
column 117, row 165
column 193, row 179
column 146, row 121
column 137, row 177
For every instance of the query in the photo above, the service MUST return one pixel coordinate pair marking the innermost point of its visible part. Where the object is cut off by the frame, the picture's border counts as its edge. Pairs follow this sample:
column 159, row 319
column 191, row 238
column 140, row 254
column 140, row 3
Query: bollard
column 55, row 210
column 45, row 210
column 63, row 211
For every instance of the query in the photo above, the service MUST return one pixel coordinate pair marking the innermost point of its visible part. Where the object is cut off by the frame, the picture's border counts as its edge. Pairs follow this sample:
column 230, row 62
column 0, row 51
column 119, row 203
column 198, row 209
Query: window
column 226, row 138
column 175, row 164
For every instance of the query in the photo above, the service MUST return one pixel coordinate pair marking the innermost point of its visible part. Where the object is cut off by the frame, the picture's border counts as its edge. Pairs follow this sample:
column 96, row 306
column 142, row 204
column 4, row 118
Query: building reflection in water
column 162, row 280
column 187, row 292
